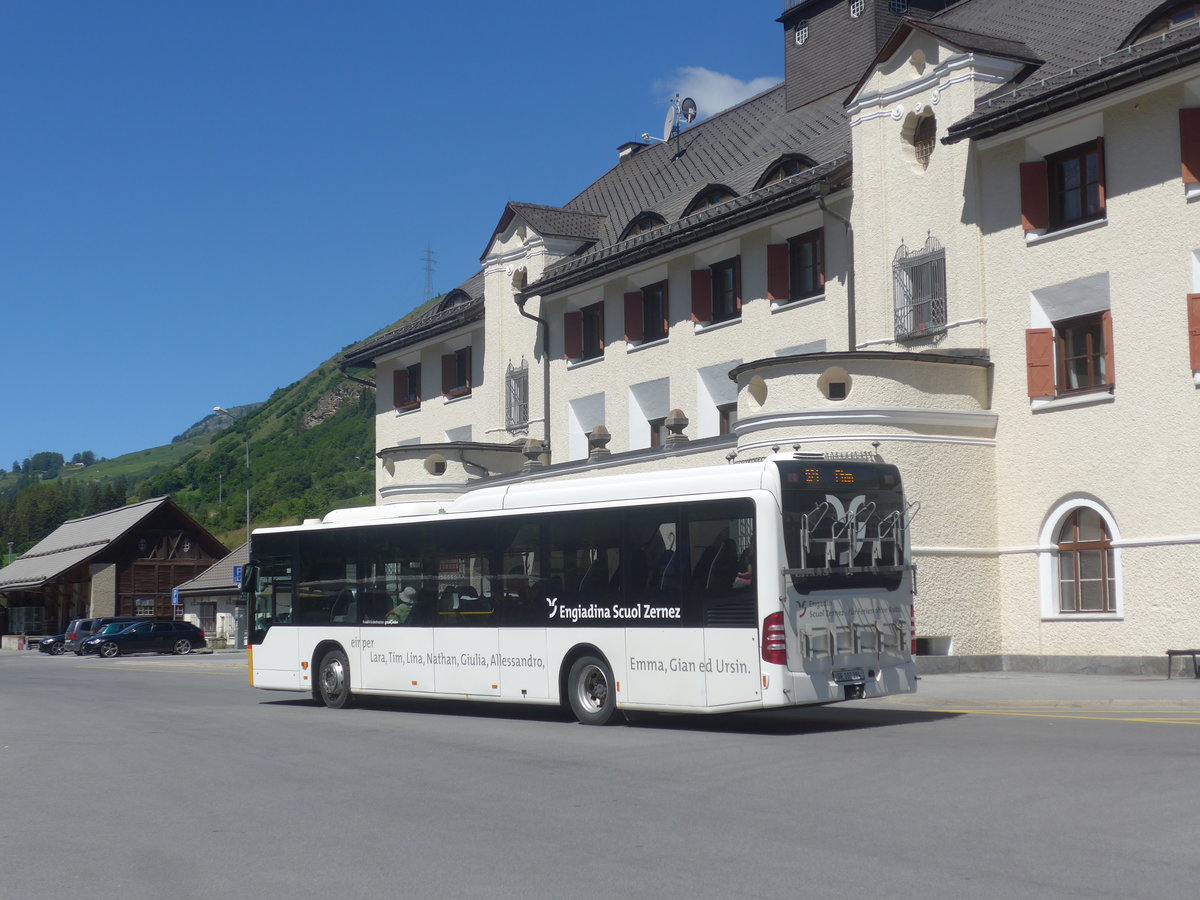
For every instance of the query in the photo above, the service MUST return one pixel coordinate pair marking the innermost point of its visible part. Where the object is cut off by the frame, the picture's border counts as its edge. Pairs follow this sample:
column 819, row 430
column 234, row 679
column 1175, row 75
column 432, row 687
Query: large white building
column 939, row 240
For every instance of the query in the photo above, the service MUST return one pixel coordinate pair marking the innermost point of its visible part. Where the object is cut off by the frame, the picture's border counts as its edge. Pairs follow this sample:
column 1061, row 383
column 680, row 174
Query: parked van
column 81, row 629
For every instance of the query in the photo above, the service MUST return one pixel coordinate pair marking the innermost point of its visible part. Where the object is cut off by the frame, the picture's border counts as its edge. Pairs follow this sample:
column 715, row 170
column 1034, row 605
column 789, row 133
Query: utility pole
column 428, row 273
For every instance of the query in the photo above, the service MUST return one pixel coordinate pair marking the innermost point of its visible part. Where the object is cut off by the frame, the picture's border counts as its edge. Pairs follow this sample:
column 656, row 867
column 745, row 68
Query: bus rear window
column 843, row 524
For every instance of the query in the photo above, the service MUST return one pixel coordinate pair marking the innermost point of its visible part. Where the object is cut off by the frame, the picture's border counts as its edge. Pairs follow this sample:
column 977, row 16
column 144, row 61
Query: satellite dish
column 687, row 109
column 669, row 124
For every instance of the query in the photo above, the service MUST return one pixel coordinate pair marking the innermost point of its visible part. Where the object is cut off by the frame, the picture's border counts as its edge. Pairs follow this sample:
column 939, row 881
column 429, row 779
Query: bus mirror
column 250, row 580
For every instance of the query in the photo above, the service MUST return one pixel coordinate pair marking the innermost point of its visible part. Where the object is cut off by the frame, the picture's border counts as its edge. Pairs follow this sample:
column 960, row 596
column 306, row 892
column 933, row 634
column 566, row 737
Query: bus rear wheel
column 333, row 679
column 590, row 690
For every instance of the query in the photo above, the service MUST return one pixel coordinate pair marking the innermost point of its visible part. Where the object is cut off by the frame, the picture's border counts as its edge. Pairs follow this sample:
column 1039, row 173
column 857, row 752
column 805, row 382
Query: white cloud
column 712, row 91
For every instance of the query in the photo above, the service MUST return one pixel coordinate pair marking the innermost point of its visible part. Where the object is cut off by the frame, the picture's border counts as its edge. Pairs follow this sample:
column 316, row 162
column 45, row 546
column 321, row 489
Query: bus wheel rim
column 333, row 678
column 593, row 688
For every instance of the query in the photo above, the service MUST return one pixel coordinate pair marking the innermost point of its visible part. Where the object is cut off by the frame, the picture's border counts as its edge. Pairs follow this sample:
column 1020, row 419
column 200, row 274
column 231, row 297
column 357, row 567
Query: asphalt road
column 161, row 777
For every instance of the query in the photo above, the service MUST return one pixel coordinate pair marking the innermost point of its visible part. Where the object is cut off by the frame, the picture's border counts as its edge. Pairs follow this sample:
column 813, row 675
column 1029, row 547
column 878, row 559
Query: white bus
column 781, row 582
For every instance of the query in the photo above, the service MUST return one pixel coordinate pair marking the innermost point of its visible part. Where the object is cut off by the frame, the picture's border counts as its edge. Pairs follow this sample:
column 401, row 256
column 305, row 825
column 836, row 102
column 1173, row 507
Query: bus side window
column 721, row 575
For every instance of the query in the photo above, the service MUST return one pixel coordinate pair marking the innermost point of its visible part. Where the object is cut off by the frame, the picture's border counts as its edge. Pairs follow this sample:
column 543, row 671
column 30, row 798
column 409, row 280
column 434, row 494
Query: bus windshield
column 843, row 525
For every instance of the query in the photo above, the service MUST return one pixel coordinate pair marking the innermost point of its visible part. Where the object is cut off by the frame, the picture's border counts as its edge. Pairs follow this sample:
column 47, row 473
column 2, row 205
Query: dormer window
column 802, row 32
column 1182, row 14
column 454, row 298
column 857, row 8
column 785, row 168
column 709, row 197
column 642, row 224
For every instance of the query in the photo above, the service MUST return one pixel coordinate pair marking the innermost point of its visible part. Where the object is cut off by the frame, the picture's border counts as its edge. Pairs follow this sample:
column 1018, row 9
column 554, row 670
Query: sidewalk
column 1049, row 690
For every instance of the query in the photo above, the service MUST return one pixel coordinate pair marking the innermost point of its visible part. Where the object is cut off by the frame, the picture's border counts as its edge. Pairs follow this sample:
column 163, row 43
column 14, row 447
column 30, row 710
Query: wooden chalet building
column 122, row 562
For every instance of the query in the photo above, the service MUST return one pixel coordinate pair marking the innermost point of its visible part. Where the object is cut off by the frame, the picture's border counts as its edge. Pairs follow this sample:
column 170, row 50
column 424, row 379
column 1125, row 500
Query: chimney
column 628, row 149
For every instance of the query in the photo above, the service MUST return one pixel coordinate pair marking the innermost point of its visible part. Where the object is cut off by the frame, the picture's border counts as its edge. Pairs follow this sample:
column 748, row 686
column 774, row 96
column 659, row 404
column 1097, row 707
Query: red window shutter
column 399, row 388
column 1100, row 171
column 572, row 335
column 1189, row 145
column 737, row 280
column 701, row 295
column 777, row 273
column 1035, row 198
column 633, row 317
column 1110, row 367
column 1039, row 361
column 449, row 373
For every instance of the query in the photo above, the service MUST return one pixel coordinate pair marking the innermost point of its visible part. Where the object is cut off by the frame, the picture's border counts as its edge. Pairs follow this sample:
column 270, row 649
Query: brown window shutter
column 572, row 335
column 449, row 373
column 1110, row 366
column 414, row 382
column 1193, row 306
column 399, row 388
column 666, row 285
column 1035, row 198
column 1100, row 170
column 467, row 367
column 701, row 295
column 1039, row 361
column 777, row 273
column 737, row 280
column 1189, row 144
column 633, row 317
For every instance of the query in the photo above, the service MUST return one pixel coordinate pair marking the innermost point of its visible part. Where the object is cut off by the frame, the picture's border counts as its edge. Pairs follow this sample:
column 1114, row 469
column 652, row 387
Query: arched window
column 643, row 223
column 1166, row 19
column 1086, row 574
column 710, row 196
column 1080, row 567
column 785, row 168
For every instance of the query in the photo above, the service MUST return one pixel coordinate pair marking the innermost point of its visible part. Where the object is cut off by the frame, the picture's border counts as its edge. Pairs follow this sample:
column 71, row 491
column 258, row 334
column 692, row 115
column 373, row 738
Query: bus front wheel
column 333, row 680
column 591, row 692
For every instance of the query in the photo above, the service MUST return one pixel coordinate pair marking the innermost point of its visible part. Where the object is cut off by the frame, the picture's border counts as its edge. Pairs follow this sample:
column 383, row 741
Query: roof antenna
column 679, row 113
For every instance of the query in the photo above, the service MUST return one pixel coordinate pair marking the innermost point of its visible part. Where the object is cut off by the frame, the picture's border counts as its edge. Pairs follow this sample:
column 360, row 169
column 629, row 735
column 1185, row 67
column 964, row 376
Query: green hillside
column 311, row 446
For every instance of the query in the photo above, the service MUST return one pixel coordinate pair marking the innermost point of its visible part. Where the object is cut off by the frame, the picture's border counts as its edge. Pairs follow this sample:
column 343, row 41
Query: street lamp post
column 225, row 412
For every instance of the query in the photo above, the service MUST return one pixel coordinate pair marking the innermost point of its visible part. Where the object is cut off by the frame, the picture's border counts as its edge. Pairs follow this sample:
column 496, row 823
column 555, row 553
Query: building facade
column 934, row 242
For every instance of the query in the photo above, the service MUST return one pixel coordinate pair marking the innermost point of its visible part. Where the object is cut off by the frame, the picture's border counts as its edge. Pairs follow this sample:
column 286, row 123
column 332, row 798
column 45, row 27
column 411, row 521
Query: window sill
column 783, row 306
column 1038, row 237
column 716, row 326
column 1191, row 192
column 406, row 410
column 1088, row 398
column 573, row 364
column 1084, row 617
column 642, row 345
column 454, row 398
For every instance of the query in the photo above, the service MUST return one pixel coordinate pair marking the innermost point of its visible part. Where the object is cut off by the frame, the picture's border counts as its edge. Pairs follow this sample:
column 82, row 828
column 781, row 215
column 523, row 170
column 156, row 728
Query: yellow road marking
column 1162, row 717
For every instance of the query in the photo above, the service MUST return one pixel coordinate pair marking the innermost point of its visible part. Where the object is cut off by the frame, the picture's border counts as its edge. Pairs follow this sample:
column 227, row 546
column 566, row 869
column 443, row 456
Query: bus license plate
column 849, row 676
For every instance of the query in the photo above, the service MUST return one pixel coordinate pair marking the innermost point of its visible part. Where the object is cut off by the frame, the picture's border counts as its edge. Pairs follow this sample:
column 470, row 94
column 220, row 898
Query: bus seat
column 724, row 567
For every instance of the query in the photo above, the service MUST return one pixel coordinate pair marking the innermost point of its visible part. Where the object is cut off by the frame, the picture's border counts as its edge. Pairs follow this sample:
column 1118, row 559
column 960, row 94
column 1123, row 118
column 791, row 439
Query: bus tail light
column 774, row 640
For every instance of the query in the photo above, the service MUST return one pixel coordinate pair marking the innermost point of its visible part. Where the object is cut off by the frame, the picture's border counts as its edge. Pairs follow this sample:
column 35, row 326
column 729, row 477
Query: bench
column 1171, row 654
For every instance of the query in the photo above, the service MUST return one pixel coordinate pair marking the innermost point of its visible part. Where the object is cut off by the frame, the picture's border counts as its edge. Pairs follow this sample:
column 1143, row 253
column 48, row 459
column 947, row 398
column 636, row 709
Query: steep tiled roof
column 1048, row 92
column 434, row 320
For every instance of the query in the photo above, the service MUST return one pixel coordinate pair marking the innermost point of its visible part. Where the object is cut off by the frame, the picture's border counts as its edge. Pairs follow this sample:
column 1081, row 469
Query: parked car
column 52, row 645
column 147, row 637
column 81, row 629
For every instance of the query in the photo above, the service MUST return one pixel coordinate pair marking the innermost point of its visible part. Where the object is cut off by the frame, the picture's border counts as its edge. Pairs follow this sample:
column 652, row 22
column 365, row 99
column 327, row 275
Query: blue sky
column 202, row 201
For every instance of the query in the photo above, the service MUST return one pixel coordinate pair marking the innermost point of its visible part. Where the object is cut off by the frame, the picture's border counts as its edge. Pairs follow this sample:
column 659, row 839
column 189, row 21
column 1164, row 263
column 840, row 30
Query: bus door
column 466, row 643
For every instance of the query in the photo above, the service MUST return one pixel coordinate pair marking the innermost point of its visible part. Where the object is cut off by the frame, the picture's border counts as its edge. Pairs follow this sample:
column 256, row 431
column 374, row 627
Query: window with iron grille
column 919, row 290
column 516, row 403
